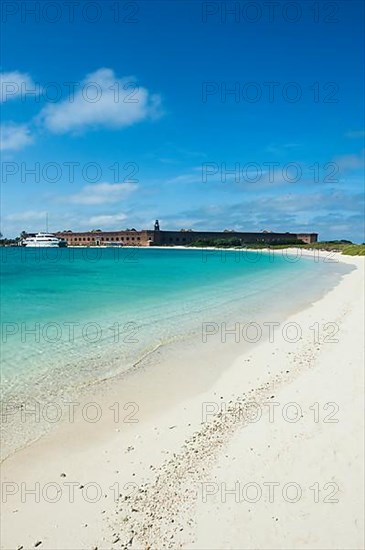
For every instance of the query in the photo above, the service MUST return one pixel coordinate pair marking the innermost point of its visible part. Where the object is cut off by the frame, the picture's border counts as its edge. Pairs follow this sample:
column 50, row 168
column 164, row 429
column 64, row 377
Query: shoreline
column 169, row 413
column 302, row 251
column 186, row 336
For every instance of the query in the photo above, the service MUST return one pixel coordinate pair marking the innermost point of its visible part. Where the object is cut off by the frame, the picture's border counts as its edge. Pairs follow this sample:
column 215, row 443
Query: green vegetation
column 235, row 242
column 12, row 242
column 354, row 250
column 217, row 243
column 9, row 242
column 343, row 246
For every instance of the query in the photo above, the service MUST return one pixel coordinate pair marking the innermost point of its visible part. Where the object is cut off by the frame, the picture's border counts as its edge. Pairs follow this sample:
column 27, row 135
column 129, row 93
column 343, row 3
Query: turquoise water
column 73, row 316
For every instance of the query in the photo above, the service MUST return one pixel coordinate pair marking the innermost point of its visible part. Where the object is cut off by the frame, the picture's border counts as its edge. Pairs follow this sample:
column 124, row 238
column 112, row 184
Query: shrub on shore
column 343, row 246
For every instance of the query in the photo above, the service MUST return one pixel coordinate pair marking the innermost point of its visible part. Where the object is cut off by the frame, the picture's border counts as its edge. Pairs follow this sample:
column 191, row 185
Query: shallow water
column 71, row 317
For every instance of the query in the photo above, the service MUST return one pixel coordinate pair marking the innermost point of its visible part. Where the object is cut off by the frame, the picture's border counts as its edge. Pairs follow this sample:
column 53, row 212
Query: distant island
column 190, row 238
column 184, row 237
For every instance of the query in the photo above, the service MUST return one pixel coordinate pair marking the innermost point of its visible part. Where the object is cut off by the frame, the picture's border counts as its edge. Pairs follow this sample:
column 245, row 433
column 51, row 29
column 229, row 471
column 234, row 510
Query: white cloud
column 27, row 216
column 15, row 84
column 351, row 162
column 101, row 193
column 14, row 136
column 106, row 219
column 32, row 220
column 194, row 177
column 101, row 100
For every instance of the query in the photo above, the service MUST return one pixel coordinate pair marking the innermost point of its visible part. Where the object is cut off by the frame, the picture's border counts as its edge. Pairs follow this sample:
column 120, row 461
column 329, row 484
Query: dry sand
column 275, row 461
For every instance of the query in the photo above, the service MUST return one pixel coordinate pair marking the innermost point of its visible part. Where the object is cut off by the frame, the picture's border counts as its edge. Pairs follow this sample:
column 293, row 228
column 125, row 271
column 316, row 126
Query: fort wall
column 171, row 238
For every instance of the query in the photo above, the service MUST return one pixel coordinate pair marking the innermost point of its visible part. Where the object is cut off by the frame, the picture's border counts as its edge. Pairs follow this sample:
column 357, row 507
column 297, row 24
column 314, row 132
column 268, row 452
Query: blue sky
column 131, row 119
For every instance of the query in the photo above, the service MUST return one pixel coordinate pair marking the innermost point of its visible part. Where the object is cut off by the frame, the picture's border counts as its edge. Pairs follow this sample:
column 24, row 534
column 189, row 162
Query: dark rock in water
column 63, row 474
column 38, row 543
column 117, row 539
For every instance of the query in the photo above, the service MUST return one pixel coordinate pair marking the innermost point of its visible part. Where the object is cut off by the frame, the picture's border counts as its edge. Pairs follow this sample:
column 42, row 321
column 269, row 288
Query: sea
column 72, row 317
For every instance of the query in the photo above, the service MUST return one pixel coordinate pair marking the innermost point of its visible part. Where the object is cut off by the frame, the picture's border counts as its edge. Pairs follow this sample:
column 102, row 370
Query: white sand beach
column 266, row 453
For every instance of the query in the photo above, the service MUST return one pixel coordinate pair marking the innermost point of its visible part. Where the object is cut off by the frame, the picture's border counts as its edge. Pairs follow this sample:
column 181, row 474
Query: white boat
column 46, row 240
